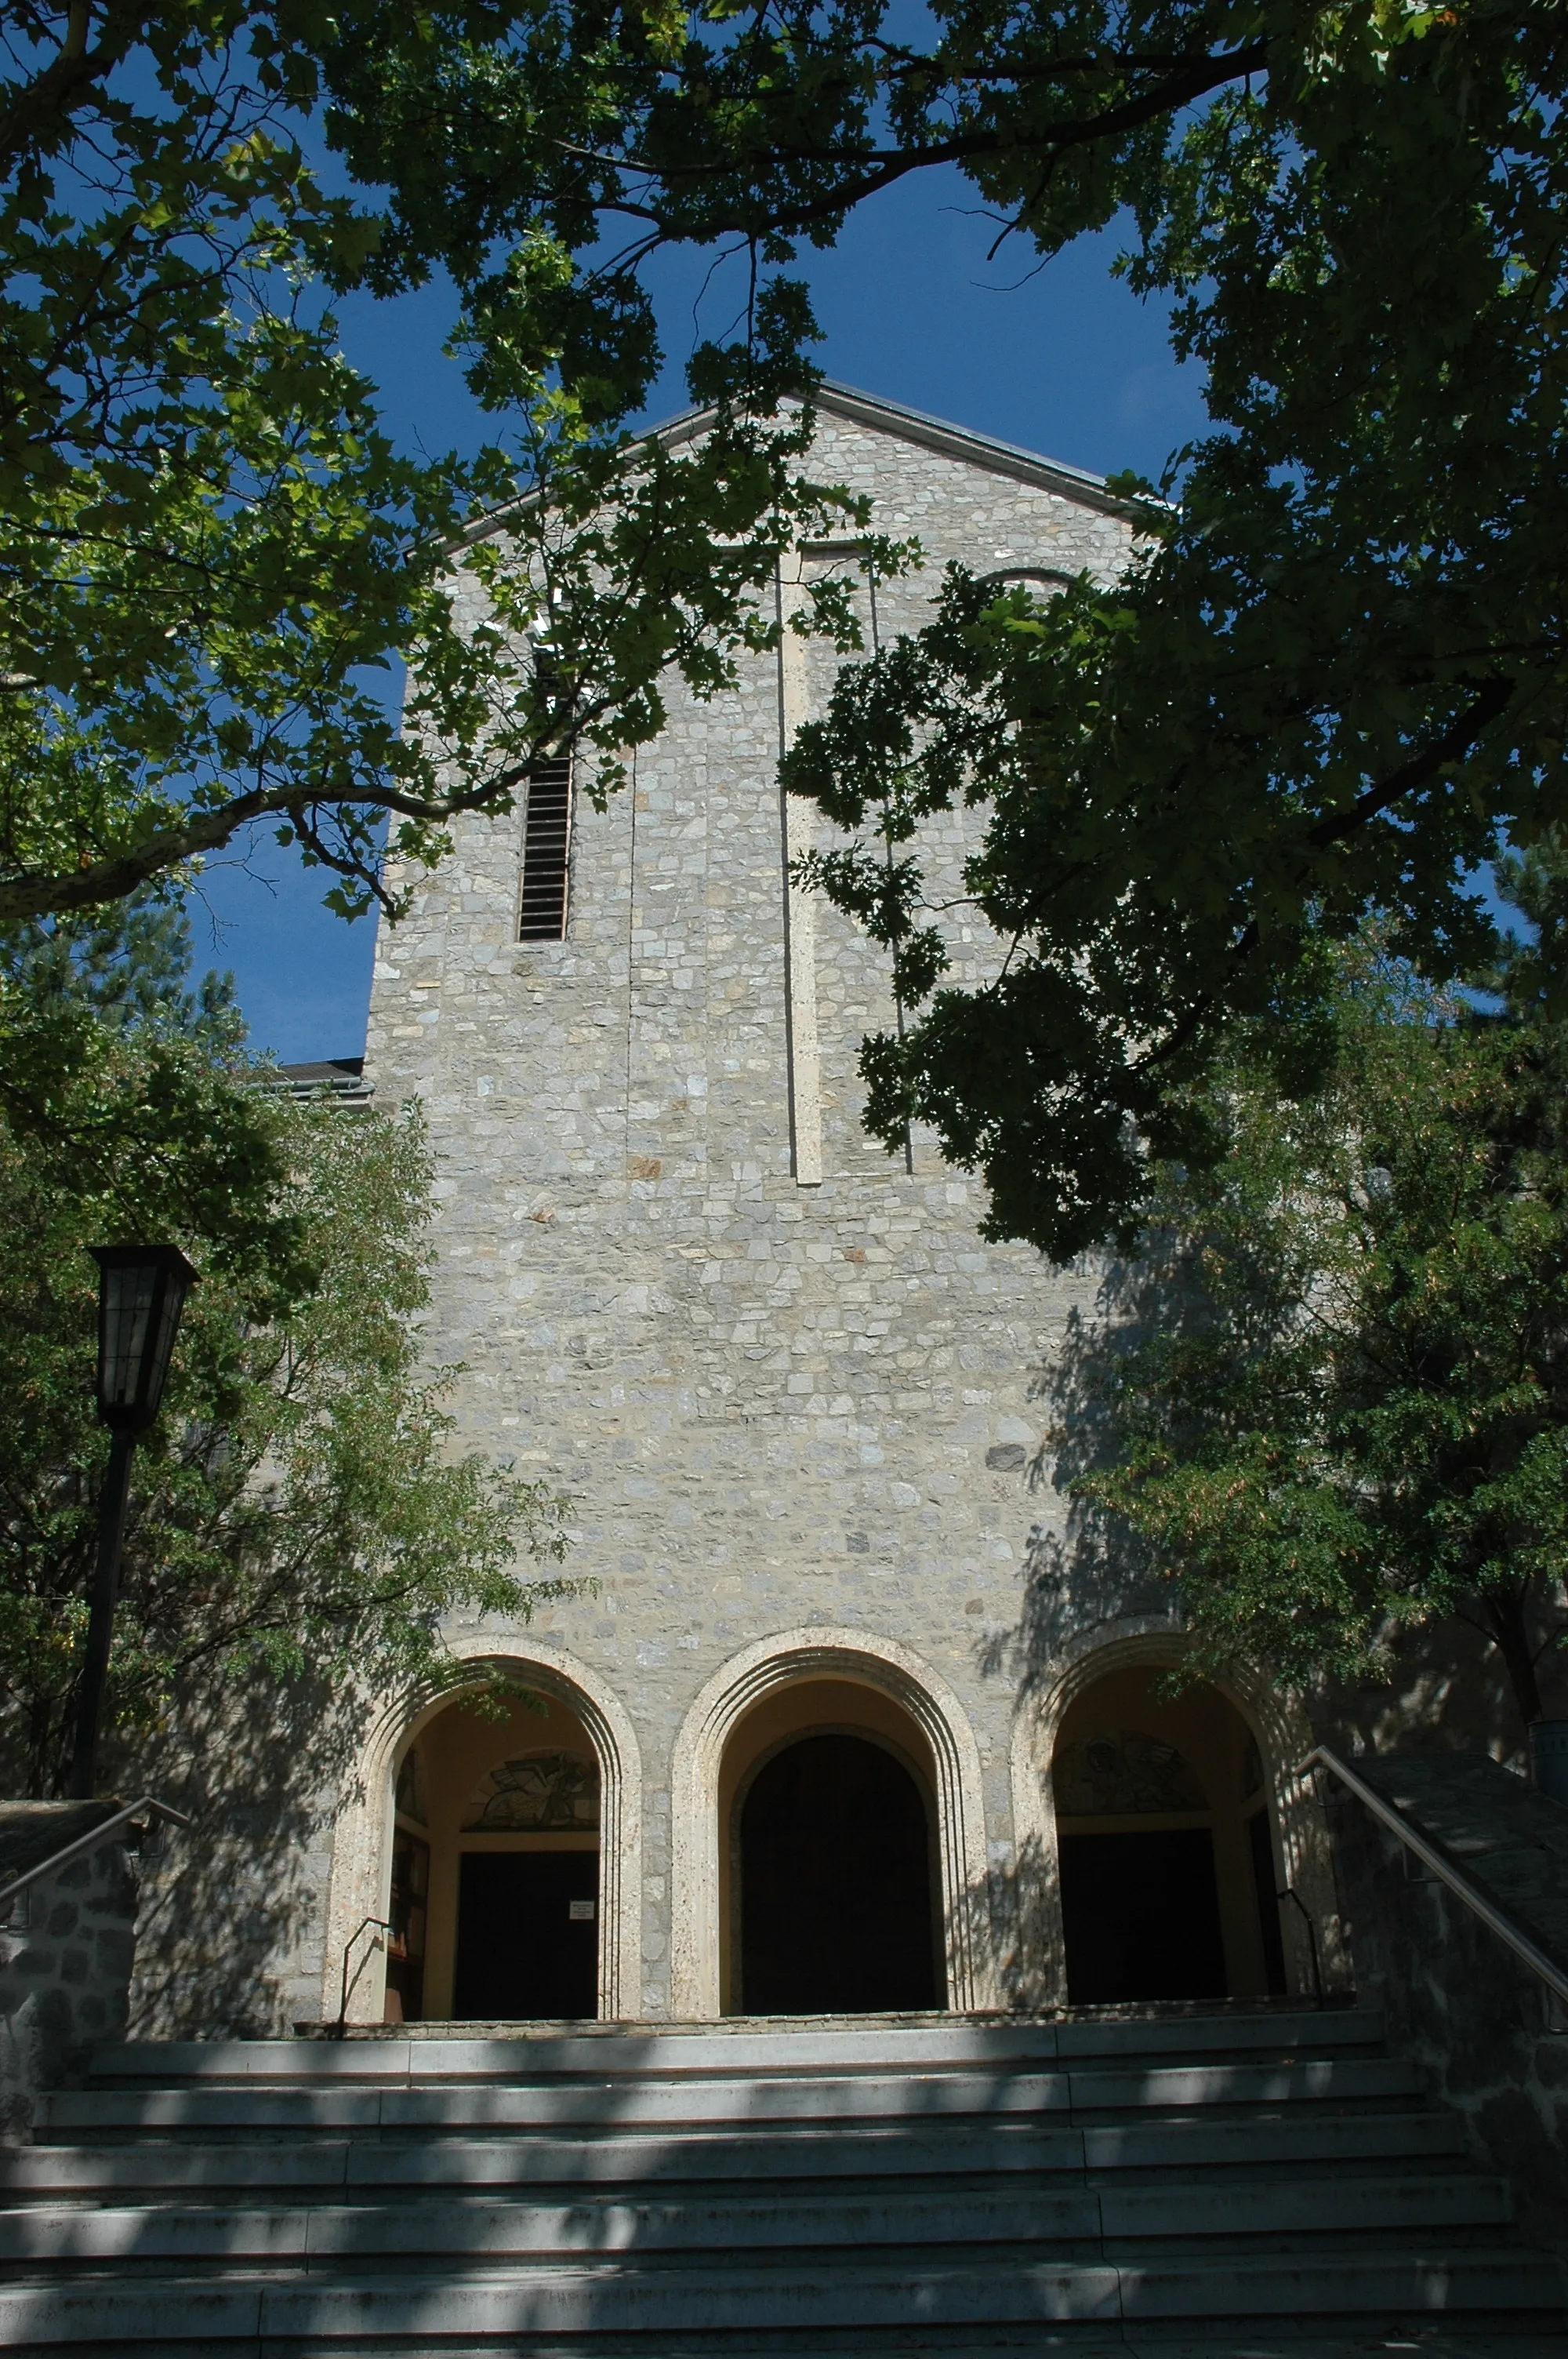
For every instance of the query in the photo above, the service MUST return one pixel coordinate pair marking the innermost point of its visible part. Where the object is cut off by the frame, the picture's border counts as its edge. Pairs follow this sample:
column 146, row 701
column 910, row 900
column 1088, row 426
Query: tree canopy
column 211, row 552
column 1333, row 675
column 298, row 1509
column 1334, row 1396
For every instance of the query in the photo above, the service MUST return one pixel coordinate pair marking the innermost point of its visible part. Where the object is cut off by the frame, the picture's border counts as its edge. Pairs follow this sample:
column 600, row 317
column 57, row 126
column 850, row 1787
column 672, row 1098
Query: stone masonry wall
column 67, row 1945
column 1485, row 2033
column 775, row 1406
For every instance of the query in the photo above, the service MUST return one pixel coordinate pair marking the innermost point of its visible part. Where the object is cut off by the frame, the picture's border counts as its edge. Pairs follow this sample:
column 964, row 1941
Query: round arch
column 729, row 1696
column 1304, row 1858
column 361, row 1850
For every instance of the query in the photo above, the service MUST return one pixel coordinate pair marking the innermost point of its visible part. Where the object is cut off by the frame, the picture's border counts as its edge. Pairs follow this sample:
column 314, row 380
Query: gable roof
column 884, row 417
column 896, row 417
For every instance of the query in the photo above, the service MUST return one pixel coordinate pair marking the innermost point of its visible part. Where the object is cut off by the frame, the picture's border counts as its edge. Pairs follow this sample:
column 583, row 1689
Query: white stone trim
column 1304, row 1858
column 362, row 1851
column 796, row 819
column 782, row 1660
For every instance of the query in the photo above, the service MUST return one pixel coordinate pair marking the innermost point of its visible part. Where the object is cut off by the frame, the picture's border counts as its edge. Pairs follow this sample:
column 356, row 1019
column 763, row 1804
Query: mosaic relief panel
column 544, row 1793
column 1124, row 1774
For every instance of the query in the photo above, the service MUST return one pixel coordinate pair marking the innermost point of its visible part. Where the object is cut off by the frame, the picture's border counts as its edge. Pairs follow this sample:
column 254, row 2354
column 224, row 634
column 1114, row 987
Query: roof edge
column 875, row 409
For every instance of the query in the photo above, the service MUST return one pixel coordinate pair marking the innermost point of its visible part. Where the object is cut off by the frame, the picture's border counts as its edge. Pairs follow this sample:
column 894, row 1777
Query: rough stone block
column 1462, row 2006
column 64, row 1976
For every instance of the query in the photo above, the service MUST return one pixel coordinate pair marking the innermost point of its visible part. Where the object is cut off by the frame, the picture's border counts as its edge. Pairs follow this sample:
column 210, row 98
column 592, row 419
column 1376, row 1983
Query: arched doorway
column 367, row 1828
column 495, row 1905
column 732, row 1722
column 835, row 1883
column 1165, row 1845
column 829, row 1872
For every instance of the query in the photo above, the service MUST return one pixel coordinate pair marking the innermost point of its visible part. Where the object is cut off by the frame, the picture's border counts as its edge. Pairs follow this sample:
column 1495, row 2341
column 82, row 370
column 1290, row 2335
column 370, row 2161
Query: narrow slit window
column 547, row 840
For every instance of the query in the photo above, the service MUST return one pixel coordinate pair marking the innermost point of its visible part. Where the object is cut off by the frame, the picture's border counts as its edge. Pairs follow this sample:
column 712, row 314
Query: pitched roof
column 894, row 418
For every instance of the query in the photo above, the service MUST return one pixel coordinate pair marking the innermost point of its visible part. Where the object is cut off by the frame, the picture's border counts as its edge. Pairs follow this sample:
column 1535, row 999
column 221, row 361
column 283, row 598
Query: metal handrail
column 1431, row 1855
column 340, row 2030
column 148, row 1807
column 1289, row 1892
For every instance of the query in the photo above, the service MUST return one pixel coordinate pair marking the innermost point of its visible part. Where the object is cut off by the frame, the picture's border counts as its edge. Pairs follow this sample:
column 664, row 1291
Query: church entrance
column 831, row 1902
column 1165, row 1846
column 835, row 1883
column 494, row 1904
column 527, row 1940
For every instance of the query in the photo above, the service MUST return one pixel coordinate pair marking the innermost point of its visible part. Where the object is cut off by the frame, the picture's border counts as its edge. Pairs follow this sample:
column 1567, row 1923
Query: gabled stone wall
column 778, row 1405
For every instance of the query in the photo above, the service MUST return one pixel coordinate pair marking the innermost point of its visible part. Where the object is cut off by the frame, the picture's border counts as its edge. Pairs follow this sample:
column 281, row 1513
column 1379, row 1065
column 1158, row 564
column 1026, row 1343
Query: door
column 527, row 1935
column 1140, row 1917
column 836, row 1884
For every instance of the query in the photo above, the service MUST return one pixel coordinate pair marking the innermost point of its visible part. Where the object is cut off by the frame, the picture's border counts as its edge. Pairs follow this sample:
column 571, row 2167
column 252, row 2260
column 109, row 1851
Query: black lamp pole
column 141, row 1293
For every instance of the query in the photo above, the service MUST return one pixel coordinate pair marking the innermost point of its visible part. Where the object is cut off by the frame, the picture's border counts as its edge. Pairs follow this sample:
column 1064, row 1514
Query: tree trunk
column 1504, row 1611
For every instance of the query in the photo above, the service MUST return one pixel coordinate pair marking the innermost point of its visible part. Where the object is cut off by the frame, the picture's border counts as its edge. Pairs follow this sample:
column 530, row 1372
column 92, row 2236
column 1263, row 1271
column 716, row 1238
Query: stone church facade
column 799, row 1406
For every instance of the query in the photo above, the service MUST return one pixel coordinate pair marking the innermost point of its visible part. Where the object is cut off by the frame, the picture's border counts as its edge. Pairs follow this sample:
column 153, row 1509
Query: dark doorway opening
column 836, row 1914
column 1140, row 1917
column 527, row 1935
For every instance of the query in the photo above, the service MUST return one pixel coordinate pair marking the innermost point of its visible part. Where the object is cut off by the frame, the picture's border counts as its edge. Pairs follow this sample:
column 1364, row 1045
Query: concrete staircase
column 1186, row 2181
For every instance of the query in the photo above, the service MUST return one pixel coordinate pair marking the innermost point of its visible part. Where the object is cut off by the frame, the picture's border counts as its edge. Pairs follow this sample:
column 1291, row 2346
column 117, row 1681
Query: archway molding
column 1304, row 1857
column 361, row 1850
column 785, row 1660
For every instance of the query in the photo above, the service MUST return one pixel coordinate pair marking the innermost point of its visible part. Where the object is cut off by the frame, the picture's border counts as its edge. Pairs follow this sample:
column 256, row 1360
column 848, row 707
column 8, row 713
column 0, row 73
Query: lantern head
column 141, row 1293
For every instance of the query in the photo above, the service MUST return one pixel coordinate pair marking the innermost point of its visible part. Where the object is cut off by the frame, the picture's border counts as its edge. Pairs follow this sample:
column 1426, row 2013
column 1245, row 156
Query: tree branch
column 879, row 169
column 1456, row 740
column 69, row 73
column 34, row 894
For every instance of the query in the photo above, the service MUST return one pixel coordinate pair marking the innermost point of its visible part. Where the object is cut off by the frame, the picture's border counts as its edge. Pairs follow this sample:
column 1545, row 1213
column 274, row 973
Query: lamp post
column 141, row 1293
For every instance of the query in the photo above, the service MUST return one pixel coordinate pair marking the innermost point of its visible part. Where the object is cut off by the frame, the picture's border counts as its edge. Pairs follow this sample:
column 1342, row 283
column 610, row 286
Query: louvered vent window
column 546, row 838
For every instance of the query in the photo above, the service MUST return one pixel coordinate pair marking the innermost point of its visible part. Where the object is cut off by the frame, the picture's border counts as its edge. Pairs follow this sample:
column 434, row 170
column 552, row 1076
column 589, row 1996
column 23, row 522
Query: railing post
column 340, row 2030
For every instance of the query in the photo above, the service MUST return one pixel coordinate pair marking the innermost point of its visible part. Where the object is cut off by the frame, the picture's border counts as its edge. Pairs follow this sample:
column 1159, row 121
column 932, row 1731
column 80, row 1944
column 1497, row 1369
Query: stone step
column 1374, row 2338
column 545, row 2158
column 1282, row 2136
column 420, row 2231
column 946, row 2044
column 740, row 2105
column 1379, row 2339
column 1309, row 2080
column 468, row 2308
column 1287, row 2207
column 1371, row 2339
column 736, row 2103
column 931, row 2187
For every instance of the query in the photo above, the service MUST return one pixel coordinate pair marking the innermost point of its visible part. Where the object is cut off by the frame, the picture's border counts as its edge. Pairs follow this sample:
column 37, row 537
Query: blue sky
column 1066, row 362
